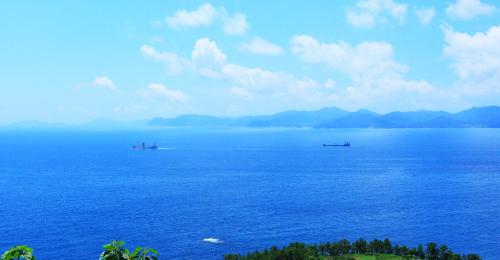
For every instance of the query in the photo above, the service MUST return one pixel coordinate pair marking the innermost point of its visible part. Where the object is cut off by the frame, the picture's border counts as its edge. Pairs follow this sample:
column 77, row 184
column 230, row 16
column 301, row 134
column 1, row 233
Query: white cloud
column 476, row 60
column 376, row 78
column 206, row 15
column 105, row 83
column 203, row 16
column 206, row 51
column 255, row 78
column 468, row 9
column 156, row 90
column 425, row 15
column 329, row 83
column 367, row 58
column 260, row 46
column 307, row 89
column 242, row 92
column 207, row 58
column 209, row 61
column 476, row 54
column 360, row 19
column 368, row 13
column 234, row 25
column 174, row 63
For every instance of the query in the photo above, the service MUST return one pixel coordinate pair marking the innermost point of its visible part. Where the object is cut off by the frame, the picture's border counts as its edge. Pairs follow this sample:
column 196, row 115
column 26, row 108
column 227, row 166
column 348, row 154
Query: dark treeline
column 341, row 250
column 345, row 250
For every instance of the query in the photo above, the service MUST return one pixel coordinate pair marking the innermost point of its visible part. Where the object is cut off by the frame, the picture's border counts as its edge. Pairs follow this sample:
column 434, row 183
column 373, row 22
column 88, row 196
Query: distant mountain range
column 329, row 117
column 332, row 117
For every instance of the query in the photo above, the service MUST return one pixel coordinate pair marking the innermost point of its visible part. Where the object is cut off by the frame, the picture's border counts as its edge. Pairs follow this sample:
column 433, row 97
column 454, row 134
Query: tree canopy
column 345, row 250
column 19, row 252
column 116, row 251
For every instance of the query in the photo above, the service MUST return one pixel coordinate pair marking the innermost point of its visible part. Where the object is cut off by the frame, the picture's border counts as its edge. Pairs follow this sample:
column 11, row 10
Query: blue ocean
column 68, row 192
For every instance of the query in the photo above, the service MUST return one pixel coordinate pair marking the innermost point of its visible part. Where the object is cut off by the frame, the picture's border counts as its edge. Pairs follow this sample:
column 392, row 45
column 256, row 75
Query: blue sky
column 76, row 61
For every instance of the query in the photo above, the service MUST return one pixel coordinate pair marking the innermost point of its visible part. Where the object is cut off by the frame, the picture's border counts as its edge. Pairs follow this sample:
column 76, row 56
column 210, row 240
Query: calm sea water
column 66, row 193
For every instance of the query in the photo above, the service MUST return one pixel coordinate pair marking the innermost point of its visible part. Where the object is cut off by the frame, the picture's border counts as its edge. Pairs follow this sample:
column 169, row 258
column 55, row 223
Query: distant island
column 328, row 117
column 332, row 117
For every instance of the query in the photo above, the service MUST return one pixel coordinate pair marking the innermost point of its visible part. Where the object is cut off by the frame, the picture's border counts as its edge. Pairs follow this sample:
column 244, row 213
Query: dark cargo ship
column 143, row 146
column 344, row 144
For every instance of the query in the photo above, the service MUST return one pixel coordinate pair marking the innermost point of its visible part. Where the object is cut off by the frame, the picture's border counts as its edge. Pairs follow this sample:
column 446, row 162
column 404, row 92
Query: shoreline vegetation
column 357, row 250
column 341, row 250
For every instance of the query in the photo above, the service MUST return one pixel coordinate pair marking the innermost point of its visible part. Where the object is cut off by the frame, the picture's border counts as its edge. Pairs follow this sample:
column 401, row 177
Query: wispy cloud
column 242, row 92
column 468, row 9
column 367, row 13
column 156, row 90
column 235, row 24
column 173, row 63
column 425, row 15
column 206, row 15
column 260, row 46
column 105, row 83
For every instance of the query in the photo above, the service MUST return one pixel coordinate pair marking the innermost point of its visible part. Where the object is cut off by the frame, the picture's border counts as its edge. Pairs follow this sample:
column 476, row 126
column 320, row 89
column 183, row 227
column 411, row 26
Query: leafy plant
column 144, row 253
column 18, row 253
column 115, row 251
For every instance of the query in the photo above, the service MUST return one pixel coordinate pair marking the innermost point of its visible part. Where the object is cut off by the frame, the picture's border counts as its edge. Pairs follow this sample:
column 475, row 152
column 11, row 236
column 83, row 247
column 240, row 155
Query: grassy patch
column 377, row 257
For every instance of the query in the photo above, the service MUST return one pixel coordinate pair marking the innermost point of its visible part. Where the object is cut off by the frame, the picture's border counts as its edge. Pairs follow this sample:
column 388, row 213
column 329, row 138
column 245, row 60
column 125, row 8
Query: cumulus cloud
column 376, row 78
column 242, row 92
column 206, row 15
column 367, row 13
column 373, row 58
column 156, row 90
column 206, row 49
column 174, row 63
column 234, row 25
column 475, row 59
column 105, row 83
column 468, row 9
column 260, row 46
column 211, row 62
column 207, row 58
column 425, row 15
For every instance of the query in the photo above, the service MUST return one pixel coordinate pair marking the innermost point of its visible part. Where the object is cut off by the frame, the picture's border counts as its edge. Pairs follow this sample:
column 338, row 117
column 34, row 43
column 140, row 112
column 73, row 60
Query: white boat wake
column 213, row 240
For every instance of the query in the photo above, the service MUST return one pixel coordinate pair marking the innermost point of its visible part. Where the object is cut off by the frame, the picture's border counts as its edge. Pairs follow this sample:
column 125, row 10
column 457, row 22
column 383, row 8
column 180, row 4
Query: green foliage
column 18, row 253
column 341, row 250
column 116, row 251
column 420, row 252
column 358, row 250
column 360, row 246
column 432, row 251
column 144, row 253
column 472, row 257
